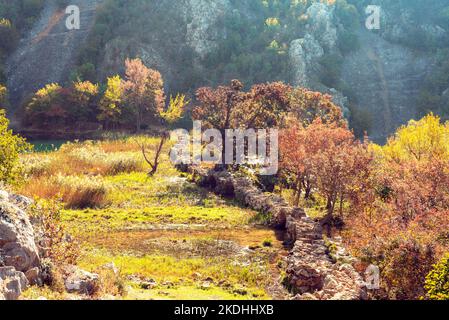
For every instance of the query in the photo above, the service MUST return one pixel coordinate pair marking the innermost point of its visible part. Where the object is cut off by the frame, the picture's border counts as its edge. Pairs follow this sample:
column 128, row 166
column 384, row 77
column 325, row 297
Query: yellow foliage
column 422, row 140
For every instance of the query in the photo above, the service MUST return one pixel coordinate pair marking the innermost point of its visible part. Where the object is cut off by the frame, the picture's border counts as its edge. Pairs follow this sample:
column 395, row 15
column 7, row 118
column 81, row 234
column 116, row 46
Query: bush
column 81, row 192
column 59, row 248
column 404, row 269
column 10, row 147
column 89, row 156
column 77, row 192
column 437, row 282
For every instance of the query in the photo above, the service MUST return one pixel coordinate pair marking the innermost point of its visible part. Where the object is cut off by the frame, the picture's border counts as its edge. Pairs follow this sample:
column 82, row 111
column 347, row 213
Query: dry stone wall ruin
column 312, row 273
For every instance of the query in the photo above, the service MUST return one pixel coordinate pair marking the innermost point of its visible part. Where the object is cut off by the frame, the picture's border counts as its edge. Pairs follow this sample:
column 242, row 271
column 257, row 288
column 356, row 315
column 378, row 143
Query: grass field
column 168, row 238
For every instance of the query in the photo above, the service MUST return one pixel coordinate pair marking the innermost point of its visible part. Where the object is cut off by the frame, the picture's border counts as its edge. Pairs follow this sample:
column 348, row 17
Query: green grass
column 116, row 219
column 163, row 228
column 227, row 278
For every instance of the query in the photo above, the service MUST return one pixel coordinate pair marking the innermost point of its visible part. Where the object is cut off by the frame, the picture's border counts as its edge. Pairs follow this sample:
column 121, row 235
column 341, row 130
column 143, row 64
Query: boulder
column 33, row 276
column 17, row 238
column 12, row 283
column 80, row 281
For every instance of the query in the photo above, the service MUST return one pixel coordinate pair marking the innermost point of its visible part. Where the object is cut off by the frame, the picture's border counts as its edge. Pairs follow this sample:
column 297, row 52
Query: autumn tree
column 229, row 107
column 324, row 156
column 111, row 103
column 401, row 222
column 82, row 101
column 306, row 106
column 264, row 106
column 143, row 90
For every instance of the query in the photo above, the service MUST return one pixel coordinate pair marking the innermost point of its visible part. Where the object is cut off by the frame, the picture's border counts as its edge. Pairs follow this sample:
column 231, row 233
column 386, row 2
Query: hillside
column 382, row 78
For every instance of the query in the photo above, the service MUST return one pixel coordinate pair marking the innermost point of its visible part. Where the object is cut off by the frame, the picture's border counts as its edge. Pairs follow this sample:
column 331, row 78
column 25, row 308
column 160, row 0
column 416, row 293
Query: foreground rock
column 12, row 283
column 17, row 241
column 80, row 281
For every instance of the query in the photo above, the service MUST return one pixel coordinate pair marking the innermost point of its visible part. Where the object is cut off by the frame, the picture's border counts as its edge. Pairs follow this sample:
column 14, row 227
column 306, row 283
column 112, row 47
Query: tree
column 228, row 107
column 82, row 101
column 45, row 106
column 143, row 90
column 326, row 156
column 10, row 147
column 399, row 219
column 265, row 106
column 423, row 140
column 111, row 103
column 437, row 281
column 307, row 106
column 169, row 117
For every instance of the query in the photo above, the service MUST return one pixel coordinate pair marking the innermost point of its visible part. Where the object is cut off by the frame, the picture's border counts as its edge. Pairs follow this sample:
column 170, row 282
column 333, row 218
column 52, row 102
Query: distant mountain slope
column 381, row 78
column 48, row 53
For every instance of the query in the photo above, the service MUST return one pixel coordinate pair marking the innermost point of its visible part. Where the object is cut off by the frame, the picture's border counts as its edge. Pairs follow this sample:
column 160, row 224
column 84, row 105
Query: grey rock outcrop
column 17, row 238
column 80, row 281
column 48, row 53
column 304, row 54
column 202, row 33
column 12, row 283
column 322, row 25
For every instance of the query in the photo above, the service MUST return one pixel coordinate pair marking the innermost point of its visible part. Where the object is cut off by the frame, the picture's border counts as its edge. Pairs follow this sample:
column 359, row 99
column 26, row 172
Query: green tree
column 10, row 147
column 45, row 107
column 111, row 103
column 437, row 282
column 82, row 102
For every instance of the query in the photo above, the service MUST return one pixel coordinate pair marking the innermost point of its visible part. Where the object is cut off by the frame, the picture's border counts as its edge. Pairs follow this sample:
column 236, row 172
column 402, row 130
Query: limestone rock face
column 202, row 33
column 48, row 53
column 385, row 79
column 80, row 281
column 303, row 54
column 17, row 242
column 12, row 283
column 322, row 24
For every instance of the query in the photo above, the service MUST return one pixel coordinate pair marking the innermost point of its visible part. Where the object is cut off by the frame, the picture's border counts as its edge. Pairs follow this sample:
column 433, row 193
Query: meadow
column 167, row 238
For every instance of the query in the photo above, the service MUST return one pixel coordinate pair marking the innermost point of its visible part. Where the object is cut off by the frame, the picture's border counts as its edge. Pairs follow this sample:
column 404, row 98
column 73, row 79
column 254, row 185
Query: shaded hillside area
column 48, row 52
column 381, row 78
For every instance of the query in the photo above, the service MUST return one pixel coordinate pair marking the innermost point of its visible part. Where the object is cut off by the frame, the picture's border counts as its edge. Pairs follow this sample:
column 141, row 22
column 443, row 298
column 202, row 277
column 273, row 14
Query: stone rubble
column 312, row 273
column 20, row 259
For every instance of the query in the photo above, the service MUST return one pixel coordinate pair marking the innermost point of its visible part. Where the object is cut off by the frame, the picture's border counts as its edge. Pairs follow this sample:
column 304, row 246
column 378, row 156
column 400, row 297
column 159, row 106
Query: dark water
column 47, row 145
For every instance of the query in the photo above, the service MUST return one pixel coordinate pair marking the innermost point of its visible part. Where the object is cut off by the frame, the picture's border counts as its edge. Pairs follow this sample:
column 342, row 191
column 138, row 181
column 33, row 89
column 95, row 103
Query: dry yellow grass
column 75, row 172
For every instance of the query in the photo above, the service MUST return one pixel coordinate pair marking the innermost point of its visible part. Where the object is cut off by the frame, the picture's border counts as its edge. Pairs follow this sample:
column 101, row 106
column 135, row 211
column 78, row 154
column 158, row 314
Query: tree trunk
column 139, row 120
column 298, row 191
column 308, row 190
column 341, row 204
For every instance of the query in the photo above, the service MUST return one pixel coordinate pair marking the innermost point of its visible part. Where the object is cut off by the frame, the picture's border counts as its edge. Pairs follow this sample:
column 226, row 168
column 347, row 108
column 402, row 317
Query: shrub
column 36, row 165
column 437, row 282
column 81, row 192
column 77, row 192
column 10, row 147
column 404, row 269
column 59, row 248
column 91, row 158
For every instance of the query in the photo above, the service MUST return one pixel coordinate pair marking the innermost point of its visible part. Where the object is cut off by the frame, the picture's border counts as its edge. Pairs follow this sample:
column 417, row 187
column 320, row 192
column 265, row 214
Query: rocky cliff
column 383, row 75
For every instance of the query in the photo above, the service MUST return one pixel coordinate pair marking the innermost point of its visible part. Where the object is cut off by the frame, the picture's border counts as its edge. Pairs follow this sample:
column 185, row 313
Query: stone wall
column 312, row 273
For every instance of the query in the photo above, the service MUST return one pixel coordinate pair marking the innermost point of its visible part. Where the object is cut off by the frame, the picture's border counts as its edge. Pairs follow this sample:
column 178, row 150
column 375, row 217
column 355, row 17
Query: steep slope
column 385, row 80
column 49, row 51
